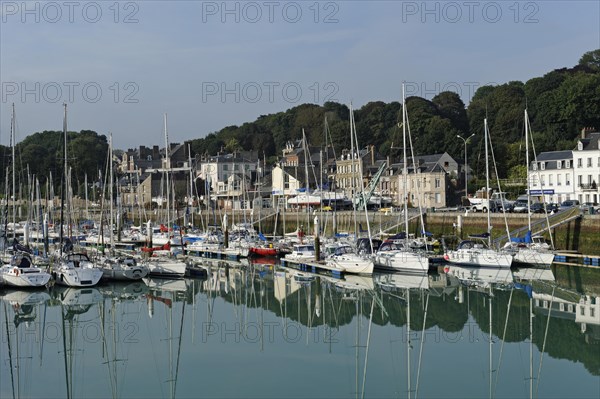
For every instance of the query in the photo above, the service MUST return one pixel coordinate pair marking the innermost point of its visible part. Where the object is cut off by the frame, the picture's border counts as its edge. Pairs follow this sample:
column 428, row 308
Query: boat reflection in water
column 385, row 335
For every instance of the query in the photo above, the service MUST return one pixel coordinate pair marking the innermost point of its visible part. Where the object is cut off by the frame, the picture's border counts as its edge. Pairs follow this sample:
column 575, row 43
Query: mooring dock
column 313, row 267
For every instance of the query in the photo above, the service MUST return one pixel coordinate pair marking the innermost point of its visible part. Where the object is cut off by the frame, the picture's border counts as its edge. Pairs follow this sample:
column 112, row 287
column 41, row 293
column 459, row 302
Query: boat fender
column 16, row 271
column 446, row 269
column 446, row 257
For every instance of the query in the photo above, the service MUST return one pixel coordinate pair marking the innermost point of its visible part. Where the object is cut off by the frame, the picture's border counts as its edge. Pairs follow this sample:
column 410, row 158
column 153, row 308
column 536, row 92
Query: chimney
column 372, row 154
column 586, row 130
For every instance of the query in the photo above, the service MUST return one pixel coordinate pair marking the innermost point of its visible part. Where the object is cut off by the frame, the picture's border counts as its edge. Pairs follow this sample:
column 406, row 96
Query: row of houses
column 236, row 180
column 242, row 180
column 569, row 175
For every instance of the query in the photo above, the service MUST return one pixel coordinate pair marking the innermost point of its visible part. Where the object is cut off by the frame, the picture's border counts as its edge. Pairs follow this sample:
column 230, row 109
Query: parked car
column 586, row 206
column 552, row 207
column 520, row 207
column 504, row 203
column 569, row 204
column 538, row 207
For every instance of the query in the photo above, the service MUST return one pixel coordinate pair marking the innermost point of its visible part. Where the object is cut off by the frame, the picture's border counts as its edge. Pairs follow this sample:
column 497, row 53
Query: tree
column 591, row 59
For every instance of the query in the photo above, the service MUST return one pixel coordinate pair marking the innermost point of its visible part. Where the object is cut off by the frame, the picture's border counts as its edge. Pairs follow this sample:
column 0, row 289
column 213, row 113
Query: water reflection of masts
column 537, row 386
column 10, row 362
column 421, row 346
column 111, row 365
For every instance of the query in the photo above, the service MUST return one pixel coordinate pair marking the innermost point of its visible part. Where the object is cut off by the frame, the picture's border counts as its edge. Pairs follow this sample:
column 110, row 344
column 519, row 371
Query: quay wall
column 581, row 235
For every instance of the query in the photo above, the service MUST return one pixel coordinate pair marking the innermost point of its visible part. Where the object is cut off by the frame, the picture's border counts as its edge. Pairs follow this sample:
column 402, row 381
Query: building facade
column 551, row 175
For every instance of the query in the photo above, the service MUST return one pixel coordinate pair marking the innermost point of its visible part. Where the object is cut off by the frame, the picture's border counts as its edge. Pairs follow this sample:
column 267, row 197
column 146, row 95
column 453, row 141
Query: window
column 535, row 166
column 568, row 164
column 550, row 180
column 558, row 164
column 568, row 179
column 542, row 180
column 543, row 165
column 589, row 179
column 579, row 162
column 225, row 167
column 579, row 180
column 558, row 179
column 438, row 198
column 582, row 310
column 589, row 162
column 437, row 182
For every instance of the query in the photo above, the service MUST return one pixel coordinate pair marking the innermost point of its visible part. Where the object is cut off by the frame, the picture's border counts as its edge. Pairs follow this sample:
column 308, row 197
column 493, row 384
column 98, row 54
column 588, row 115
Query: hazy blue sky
column 120, row 66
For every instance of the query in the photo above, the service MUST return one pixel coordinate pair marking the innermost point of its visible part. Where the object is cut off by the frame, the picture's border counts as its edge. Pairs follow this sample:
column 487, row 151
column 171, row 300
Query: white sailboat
column 531, row 250
column 72, row 269
column 345, row 258
column 21, row 272
column 480, row 254
column 76, row 270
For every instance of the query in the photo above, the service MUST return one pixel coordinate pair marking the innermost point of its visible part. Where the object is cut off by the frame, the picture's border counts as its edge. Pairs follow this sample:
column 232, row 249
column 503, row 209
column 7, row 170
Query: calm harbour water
column 263, row 331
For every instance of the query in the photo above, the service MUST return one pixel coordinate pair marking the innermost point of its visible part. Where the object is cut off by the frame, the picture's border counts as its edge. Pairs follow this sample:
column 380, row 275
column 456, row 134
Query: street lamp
column 465, row 141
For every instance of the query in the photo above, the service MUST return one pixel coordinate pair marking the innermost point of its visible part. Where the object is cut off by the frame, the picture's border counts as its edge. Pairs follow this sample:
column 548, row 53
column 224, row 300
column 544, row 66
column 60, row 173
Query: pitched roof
column 592, row 142
column 555, row 155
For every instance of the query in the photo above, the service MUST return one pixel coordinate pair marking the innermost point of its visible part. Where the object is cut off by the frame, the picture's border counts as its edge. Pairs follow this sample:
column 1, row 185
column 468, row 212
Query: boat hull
column 166, row 268
column 534, row 257
column 25, row 278
column 479, row 258
column 261, row 251
column 352, row 264
column 401, row 261
column 73, row 277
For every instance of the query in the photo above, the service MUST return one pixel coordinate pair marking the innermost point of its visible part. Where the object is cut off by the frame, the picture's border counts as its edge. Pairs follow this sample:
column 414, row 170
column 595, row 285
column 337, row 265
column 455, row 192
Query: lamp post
column 465, row 141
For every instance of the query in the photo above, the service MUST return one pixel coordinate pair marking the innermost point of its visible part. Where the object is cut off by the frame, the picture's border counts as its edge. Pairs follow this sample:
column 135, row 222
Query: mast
column 405, row 166
column 111, row 193
column 487, row 181
column 305, row 147
column 64, row 180
column 527, row 167
column 353, row 172
column 167, row 167
column 191, row 197
column 14, row 179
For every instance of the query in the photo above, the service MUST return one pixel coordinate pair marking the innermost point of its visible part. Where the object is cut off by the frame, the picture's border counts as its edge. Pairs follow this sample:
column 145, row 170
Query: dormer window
column 558, row 164
column 579, row 146
column 535, row 166
column 568, row 164
column 543, row 165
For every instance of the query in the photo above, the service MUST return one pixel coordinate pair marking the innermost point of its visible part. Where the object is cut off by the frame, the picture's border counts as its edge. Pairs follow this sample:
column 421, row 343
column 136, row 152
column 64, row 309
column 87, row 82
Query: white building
column 586, row 158
column 553, row 173
column 231, row 178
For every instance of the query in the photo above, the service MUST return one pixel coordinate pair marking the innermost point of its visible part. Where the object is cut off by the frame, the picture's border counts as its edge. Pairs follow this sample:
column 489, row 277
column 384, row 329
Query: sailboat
column 72, row 269
column 477, row 250
column 400, row 257
column 119, row 267
column 21, row 271
column 528, row 250
column 163, row 266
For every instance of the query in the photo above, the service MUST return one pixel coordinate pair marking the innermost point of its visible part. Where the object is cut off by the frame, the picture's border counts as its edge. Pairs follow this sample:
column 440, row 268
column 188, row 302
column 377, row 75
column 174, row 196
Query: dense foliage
column 42, row 154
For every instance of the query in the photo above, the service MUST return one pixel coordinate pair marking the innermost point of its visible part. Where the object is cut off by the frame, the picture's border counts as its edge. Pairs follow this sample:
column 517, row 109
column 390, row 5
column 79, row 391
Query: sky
column 120, row 66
